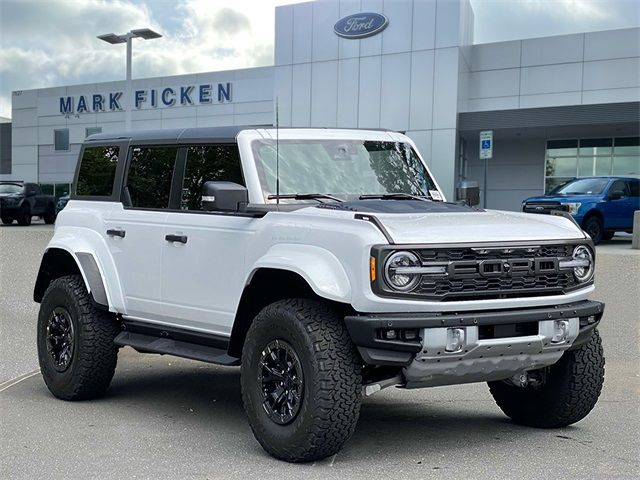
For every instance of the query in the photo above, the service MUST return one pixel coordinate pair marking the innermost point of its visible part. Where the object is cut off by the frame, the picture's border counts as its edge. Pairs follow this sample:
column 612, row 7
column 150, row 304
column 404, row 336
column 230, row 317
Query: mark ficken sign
column 204, row 94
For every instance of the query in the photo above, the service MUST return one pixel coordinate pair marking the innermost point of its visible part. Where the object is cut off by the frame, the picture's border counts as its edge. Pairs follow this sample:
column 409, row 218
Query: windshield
column 10, row 188
column 583, row 186
column 345, row 169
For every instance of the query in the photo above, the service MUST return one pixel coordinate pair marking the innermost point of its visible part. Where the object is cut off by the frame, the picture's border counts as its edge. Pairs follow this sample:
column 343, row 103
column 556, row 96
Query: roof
column 174, row 135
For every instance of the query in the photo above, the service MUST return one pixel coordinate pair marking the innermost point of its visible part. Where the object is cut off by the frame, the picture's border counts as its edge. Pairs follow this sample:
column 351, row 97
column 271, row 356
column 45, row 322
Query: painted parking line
column 16, row 380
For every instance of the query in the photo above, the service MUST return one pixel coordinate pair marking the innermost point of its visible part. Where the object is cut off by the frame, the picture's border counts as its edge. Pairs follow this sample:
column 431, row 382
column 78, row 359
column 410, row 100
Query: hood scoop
column 398, row 206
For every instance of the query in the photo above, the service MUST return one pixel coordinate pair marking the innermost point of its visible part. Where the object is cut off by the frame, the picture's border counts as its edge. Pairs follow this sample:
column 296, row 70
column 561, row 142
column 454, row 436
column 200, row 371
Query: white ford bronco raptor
column 328, row 265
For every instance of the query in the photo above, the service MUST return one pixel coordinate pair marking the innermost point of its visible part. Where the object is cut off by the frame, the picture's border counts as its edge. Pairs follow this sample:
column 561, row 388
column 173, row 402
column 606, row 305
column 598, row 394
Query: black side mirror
column 616, row 194
column 224, row 196
column 468, row 192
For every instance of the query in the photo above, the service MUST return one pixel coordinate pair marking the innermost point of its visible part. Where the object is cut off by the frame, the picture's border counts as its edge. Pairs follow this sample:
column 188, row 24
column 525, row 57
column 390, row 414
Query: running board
column 168, row 346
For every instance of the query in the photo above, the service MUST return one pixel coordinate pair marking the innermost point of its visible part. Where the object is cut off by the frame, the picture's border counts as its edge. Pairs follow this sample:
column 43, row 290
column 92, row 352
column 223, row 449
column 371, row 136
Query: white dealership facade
column 559, row 107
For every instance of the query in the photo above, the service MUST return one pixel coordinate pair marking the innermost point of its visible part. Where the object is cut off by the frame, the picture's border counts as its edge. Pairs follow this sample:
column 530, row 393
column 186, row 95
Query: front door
column 204, row 252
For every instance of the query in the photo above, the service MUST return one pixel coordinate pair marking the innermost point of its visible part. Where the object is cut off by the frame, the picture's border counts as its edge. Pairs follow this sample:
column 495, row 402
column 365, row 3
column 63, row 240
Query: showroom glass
column 205, row 163
column 149, row 176
column 568, row 159
column 344, row 168
column 97, row 171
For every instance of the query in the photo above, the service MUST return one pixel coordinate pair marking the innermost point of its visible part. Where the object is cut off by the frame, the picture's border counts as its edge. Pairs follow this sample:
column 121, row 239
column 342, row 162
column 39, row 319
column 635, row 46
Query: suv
column 601, row 205
column 328, row 265
column 20, row 201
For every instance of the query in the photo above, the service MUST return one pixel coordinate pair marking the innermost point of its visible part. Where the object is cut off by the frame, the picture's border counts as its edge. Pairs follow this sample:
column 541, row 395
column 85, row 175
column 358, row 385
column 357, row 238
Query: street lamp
column 112, row 38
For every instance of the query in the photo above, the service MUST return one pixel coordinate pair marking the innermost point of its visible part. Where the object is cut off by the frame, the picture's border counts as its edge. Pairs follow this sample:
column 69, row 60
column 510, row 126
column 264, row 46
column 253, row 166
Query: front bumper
column 498, row 344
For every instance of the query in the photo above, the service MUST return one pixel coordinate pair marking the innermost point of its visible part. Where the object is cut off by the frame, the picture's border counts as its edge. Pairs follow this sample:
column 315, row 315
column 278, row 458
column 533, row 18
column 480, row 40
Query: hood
column 564, row 198
column 421, row 222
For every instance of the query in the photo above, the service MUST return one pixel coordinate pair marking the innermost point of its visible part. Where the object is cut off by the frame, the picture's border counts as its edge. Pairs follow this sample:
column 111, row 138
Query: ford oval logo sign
column 360, row 25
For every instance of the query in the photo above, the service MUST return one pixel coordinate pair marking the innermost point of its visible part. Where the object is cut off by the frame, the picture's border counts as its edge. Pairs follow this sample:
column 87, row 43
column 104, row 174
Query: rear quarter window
column 97, row 171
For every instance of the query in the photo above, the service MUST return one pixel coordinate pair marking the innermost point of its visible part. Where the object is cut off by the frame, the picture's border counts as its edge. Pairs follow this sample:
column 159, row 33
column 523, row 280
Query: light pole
column 112, row 38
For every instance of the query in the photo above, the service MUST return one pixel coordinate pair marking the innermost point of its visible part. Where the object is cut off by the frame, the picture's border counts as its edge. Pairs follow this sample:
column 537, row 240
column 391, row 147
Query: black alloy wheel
column 60, row 338
column 282, row 381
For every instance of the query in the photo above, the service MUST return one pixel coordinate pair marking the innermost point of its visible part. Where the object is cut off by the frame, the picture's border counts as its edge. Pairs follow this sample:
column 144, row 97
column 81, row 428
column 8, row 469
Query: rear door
column 203, row 272
column 134, row 229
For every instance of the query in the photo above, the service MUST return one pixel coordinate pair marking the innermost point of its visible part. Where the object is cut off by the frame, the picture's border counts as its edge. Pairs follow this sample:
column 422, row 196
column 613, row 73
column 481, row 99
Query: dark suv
column 20, row 201
column 601, row 205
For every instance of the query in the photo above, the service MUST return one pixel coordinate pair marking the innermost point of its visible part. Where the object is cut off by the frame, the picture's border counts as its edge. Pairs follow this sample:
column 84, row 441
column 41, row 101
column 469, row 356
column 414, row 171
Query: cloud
column 53, row 43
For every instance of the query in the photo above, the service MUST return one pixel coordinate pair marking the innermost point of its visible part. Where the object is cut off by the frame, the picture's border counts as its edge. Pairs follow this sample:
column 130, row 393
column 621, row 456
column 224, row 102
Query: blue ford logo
column 360, row 25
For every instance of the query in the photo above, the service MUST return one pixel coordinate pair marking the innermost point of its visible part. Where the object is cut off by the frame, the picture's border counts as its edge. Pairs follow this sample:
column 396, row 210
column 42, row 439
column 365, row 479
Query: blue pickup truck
column 601, row 205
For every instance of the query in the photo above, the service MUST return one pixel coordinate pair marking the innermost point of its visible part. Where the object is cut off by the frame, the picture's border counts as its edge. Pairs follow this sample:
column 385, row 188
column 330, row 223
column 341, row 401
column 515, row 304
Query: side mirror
column 468, row 192
column 224, row 196
column 616, row 194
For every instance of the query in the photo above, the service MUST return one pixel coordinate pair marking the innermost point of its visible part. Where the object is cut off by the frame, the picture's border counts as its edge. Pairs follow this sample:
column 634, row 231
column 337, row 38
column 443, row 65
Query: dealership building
column 558, row 107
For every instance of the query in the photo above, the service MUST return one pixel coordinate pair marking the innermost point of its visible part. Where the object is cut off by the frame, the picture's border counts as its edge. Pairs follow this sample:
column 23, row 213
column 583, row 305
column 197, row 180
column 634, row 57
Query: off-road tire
column 570, row 392
column 24, row 217
column 593, row 226
column 94, row 357
column 332, row 380
column 7, row 220
column 50, row 216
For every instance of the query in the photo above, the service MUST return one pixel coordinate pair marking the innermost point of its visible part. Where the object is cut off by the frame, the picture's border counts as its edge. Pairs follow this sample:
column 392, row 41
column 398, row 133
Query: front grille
column 490, row 272
column 543, row 207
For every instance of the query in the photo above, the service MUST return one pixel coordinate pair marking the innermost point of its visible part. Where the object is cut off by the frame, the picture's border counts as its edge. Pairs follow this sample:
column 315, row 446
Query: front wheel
column 569, row 392
column 593, row 226
column 75, row 341
column 301, row 380
column 24, row 217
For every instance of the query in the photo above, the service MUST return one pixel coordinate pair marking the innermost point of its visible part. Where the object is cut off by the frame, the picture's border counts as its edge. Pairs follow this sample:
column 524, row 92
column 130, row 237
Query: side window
column 634, row 188
column 620, row 186
column 97, row 171
column 149, row 177
column 208, row 162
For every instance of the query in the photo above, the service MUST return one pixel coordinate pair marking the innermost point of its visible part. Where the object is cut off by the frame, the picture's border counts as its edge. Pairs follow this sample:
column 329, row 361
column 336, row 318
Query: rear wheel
column 24, row 217
column 301, row 380
column 593, row 226
column 50, row 216
column 75, row 341
column 569, row 392
column 7, row 220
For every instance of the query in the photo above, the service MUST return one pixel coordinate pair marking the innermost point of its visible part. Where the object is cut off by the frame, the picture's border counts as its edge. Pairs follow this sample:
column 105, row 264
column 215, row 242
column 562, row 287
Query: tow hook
column 528, row 379
column 371, row 388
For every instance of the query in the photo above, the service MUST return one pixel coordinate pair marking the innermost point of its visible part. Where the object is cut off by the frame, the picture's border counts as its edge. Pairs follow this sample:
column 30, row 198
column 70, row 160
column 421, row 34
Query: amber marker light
column 372, row 268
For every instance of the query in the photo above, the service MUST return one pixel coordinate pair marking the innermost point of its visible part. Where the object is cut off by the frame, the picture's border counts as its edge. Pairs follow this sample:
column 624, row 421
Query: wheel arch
column 57, row 262
column 268, row 285
column 594, row 212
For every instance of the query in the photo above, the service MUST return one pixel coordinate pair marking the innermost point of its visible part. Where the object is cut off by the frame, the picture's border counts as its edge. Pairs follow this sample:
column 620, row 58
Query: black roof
column 175, row 135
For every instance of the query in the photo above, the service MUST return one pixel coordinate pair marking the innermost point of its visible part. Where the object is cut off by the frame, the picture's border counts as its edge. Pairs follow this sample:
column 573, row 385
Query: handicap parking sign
column 486, row 144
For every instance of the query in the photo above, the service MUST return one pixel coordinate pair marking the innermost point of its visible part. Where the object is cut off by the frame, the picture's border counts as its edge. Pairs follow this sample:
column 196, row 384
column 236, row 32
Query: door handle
column 116, row 233
column 176, row 238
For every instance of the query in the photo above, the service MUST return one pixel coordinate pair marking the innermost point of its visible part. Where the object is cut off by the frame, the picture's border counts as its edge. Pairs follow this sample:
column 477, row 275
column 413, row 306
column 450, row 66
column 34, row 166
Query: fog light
column 456, row 339
column 390, row 334
column 560, row 331
column 409, row 334
column 591, row 319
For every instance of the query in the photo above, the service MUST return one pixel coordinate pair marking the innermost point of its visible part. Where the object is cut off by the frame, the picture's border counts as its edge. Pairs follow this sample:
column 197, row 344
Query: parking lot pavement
column 171, row 418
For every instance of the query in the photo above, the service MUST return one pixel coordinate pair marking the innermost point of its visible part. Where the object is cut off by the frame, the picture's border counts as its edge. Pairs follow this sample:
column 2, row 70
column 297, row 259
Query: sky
column 46, row 43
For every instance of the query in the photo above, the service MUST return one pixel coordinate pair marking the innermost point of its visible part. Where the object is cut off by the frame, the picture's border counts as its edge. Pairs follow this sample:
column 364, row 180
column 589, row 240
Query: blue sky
column 45, row 43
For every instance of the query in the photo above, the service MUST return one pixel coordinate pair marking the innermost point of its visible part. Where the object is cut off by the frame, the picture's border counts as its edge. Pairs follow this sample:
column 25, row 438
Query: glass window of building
column 61, row 139
column 568, row 159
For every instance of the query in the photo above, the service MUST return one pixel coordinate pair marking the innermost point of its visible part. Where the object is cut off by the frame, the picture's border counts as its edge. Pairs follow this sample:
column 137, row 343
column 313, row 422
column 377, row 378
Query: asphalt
column 165, row 417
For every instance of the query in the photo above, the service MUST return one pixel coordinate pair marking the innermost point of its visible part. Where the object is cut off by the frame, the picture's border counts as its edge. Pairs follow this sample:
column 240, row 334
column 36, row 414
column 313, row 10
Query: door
column 618, row 212
column 203, row 260
column 135, row 227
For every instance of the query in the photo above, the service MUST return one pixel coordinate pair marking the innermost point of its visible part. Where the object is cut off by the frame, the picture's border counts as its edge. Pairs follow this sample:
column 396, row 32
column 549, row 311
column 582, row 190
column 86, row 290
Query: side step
column 168, row 346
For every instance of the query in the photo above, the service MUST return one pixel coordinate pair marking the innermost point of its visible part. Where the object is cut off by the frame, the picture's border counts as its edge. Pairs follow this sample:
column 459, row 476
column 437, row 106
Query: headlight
column 583, row 263
column 397, row 271
column 572, row 208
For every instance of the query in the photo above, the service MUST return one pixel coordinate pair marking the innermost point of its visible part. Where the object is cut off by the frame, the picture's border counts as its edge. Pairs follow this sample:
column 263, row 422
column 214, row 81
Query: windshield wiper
column 395, row 196
column 303, row 196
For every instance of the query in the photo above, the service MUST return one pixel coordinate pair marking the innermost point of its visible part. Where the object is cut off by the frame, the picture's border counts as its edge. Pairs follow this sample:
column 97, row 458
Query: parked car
column 326, row 264
column 62, row 202
column 602, row 206
column 22, row 200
